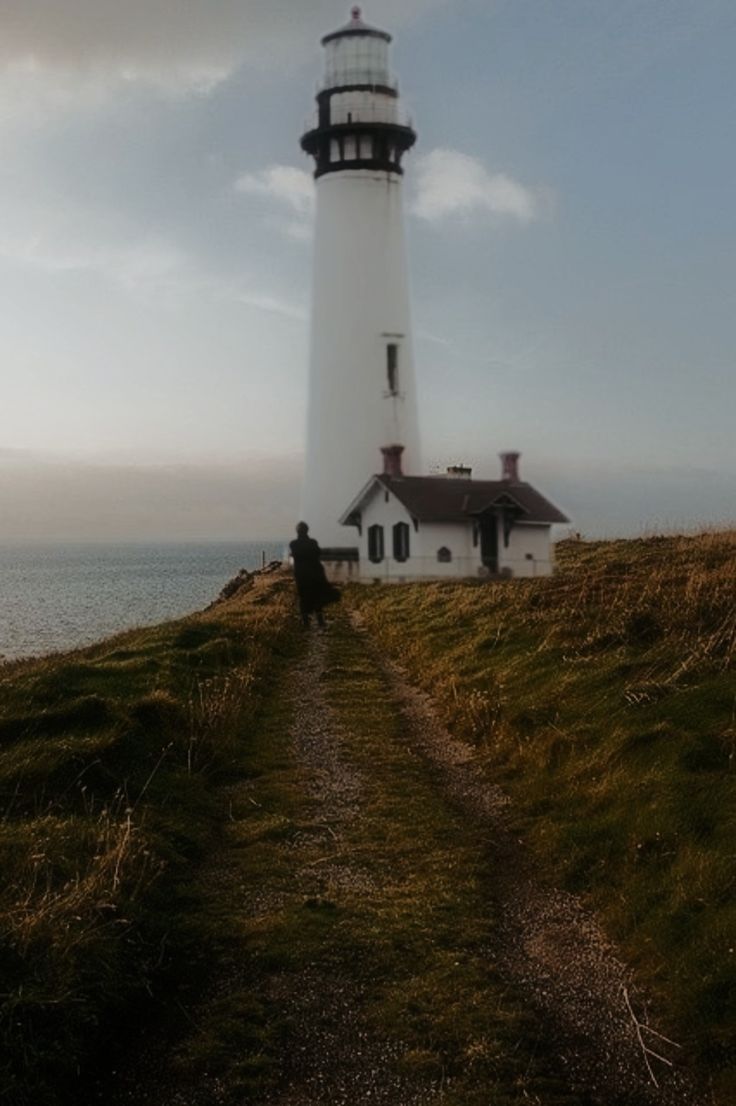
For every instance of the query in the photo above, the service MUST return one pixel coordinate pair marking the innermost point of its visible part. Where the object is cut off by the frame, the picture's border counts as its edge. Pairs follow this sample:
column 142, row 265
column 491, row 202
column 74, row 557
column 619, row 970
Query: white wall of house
column 424, row 544
column 528, row 553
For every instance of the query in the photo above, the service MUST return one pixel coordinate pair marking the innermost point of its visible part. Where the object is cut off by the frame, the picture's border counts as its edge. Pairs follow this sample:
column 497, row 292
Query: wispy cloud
column 433, row 339
column 68, row 239
column 450, row 183
column 284, row 186
column 273, row 305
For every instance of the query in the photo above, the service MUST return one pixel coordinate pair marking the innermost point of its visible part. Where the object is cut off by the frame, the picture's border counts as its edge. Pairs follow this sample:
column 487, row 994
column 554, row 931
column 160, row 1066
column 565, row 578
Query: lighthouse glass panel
column 362, row 107
column 357, row 59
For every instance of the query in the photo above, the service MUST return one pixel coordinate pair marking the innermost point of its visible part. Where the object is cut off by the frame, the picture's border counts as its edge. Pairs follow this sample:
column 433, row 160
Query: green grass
column 109, row 759
column 604, row 700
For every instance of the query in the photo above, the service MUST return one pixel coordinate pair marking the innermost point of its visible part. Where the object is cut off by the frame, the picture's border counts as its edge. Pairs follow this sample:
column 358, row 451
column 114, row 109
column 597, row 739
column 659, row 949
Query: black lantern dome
column 356, row 26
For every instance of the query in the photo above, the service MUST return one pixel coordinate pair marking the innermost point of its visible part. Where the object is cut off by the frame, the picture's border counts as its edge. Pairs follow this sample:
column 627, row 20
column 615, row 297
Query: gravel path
column 337, row 1061
column 549, row 944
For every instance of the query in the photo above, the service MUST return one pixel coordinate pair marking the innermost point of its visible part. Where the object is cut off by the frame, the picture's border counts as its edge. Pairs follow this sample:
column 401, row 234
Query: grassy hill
column 604, row 700
column 108, row 757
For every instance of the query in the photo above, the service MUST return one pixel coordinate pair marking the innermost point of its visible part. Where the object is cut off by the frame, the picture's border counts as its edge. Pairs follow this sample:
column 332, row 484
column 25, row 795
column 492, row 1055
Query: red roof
column 447, row 499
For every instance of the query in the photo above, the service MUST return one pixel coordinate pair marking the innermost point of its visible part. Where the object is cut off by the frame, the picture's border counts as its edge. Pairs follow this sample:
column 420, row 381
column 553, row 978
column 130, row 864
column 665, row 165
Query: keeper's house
column 450, row 526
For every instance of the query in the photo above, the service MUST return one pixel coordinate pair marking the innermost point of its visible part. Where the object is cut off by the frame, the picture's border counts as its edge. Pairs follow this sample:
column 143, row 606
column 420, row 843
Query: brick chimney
column 392, row 460
column 510, row 467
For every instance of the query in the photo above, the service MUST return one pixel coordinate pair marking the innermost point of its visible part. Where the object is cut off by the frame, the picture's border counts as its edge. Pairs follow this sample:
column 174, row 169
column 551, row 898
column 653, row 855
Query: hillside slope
column 604, row 701
column 109, row 758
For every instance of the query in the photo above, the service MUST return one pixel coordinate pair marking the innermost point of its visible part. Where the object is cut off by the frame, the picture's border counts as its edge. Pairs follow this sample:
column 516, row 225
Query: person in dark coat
column 312, row 586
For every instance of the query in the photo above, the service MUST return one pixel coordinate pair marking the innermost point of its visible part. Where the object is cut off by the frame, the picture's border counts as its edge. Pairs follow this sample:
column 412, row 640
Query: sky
column 572, row 247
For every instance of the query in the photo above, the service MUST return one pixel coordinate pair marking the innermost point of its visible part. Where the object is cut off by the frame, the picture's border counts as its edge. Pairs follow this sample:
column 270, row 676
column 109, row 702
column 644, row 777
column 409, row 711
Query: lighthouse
column 361, row 378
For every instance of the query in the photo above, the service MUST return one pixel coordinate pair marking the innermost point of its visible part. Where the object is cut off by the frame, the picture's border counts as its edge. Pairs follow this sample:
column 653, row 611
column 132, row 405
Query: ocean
column 56, row 597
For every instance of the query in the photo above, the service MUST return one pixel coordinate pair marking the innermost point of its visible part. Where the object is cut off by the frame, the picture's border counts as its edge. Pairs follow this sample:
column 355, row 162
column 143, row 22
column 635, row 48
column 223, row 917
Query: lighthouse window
column 392, row 368
column 334, row 150
column 350, row 149
column 375, row 544
column 366, row 147
column 401, row 541
column 444, row 555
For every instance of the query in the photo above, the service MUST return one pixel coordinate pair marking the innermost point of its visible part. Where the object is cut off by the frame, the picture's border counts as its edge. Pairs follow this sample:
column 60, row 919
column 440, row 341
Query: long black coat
column 309, row 575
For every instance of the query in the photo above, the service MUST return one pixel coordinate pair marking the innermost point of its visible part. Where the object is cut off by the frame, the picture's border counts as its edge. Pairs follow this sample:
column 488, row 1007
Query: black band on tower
column 388, row 144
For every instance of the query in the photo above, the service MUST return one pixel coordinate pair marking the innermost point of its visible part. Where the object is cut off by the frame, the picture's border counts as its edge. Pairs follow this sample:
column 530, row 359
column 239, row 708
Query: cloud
column 187, row 41
column 146, row 266
column 273, row 305
column 141, row 264
column 286, row 186
column 433, row 339
column 449, row 183
column 65, row 237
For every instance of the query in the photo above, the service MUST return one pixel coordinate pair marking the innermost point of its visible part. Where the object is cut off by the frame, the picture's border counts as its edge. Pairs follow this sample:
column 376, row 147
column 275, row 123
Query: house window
column 392, row 368
column 444, row 555
column 375, row 544
column 401, row 541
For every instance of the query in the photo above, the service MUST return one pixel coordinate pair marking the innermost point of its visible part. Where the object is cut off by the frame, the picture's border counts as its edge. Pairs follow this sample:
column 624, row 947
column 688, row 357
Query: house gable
column 366, row 502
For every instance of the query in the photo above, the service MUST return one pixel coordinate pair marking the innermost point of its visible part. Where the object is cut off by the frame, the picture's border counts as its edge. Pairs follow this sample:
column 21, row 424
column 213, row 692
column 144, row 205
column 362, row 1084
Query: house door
column 488, row 526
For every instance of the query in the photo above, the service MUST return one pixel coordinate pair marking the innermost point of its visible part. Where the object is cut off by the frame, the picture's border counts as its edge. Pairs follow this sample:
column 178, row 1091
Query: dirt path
column 377, row 922
column 336, row 1057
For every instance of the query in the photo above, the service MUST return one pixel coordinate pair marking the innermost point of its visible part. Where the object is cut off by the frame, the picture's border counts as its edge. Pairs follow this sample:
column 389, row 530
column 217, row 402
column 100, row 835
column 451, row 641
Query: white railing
column 429, row 567
column 376, row 113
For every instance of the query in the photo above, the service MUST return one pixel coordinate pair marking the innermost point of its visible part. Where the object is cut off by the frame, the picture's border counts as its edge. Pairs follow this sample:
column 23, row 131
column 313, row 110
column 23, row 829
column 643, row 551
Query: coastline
column 55, row 597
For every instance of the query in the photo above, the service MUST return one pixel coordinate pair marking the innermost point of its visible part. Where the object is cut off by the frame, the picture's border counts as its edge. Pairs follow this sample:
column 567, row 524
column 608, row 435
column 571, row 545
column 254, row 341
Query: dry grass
column 604, row 699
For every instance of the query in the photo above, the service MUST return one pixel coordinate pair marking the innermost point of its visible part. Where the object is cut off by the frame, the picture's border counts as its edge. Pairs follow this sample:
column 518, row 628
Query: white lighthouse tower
column 361, row 382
